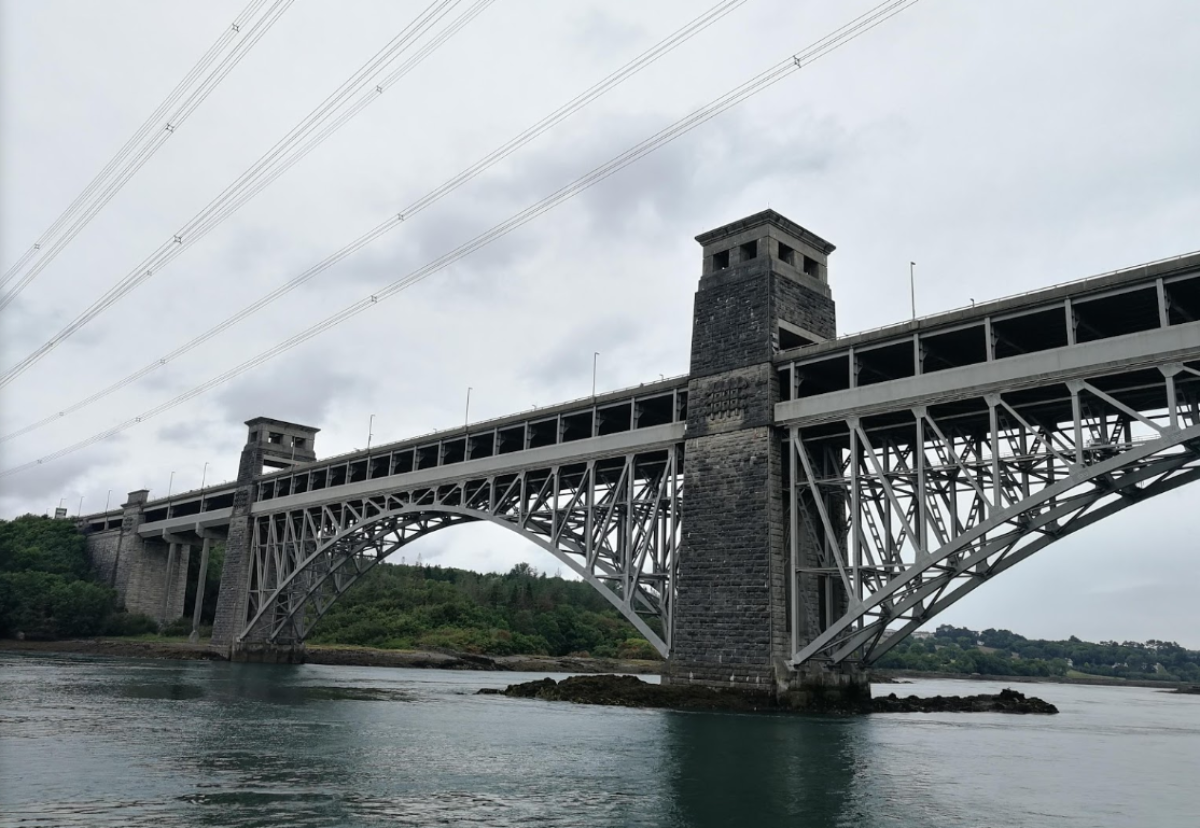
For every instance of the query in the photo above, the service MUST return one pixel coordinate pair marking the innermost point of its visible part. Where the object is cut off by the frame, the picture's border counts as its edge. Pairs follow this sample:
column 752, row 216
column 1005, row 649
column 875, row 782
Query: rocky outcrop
column 1006, row 701
column 629, row 691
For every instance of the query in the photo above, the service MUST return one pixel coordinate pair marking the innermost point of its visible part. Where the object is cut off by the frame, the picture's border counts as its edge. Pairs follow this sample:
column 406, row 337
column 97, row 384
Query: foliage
column 1005, row 653
column 131, row 623
column 45, row 590
column 520, row 612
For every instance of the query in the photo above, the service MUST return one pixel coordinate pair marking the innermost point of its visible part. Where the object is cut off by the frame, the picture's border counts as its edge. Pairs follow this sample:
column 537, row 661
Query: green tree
column 45, row 589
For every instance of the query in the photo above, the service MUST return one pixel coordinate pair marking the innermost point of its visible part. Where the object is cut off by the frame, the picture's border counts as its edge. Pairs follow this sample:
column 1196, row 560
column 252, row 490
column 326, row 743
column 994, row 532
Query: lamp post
column 204, row 475
column 467, row 412
column 370, row 431
column 595, row 359
column 107, row 498
column 912, row 287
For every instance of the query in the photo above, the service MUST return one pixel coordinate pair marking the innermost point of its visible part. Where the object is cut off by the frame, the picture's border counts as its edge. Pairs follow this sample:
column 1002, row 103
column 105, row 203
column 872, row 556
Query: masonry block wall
column 731, row 623
column 148, row 580
column 233, row 599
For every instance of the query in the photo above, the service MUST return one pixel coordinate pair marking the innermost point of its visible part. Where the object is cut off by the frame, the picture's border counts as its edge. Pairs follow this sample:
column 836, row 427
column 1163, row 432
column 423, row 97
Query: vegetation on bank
column 520, row 612
column 46, row 587
column 1004, row 653
column 48, row 591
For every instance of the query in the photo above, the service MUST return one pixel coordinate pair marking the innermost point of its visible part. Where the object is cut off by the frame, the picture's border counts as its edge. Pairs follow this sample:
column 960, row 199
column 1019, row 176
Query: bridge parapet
column 1153, row 297
column 626, row 412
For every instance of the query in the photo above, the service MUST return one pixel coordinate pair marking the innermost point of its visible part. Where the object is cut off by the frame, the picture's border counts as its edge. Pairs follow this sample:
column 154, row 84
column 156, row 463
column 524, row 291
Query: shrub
column 180, row 626
column 130, row 623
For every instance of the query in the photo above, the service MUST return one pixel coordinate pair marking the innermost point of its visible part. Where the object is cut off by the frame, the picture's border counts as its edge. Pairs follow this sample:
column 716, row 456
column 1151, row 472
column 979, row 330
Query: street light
column 595, row 358
column 107, row 498
column 204, row 474
column 370, row 431
column 467, row 413
column 912, row 288
column 170, row 485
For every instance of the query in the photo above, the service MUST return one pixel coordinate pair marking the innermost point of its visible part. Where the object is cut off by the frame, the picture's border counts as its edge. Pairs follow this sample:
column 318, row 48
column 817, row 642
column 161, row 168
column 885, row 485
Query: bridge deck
column 1028, row 335
column 642, row 418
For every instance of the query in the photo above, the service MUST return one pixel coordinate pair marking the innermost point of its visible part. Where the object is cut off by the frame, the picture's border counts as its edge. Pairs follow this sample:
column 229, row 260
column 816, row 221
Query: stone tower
column 764, row 287
column 275, row 444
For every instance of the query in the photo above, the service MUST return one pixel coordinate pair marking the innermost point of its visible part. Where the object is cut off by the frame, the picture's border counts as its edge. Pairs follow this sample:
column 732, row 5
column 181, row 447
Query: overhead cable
column 233, row 44
column 577, row 103
column 750, row 88
column 312, row 130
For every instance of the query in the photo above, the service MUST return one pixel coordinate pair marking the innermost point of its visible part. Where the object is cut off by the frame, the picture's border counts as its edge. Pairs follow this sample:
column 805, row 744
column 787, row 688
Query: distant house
column 922, row 635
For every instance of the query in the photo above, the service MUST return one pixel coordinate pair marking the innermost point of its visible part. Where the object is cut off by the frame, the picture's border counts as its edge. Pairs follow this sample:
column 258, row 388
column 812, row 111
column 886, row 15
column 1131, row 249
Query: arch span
column 613, row 523
column 913, row 516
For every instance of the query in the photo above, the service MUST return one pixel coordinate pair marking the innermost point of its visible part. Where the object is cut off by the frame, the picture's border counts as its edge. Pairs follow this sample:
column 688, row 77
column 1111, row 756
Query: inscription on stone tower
column 727, row 399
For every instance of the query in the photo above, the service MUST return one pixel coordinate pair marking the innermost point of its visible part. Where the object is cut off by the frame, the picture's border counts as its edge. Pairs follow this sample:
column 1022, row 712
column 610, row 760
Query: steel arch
column 909, row 525
column 613, row 522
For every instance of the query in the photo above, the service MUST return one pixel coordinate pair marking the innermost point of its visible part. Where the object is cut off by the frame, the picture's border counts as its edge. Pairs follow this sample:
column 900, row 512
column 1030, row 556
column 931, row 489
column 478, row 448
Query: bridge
column 778, row 518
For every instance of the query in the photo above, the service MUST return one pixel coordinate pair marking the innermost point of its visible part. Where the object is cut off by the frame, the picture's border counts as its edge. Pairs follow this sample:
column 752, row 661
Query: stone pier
column 149, row 574
column 277, row 444
column 764, row 286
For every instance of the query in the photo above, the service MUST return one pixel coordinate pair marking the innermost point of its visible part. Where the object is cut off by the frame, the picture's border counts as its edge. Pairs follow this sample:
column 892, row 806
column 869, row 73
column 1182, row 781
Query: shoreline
column 339, row 655
column 1100, row 681
column 336, row 655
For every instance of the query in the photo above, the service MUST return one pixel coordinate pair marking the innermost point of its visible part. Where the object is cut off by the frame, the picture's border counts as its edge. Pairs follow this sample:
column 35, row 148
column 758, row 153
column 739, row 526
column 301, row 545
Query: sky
column 1002, row 145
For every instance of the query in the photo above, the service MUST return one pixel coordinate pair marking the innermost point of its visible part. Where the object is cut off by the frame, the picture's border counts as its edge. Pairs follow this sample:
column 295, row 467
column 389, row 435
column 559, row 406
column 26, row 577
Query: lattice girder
column 937, row 499
column 614, row 521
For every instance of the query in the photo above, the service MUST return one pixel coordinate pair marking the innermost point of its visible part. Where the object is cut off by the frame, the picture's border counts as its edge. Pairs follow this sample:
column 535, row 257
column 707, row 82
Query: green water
column 109, row 742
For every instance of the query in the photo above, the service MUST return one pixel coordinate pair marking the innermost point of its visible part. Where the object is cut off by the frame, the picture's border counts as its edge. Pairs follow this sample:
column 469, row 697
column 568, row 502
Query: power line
column 611, row 81
column 301, row 140
column 152, row 134
column 750, row 88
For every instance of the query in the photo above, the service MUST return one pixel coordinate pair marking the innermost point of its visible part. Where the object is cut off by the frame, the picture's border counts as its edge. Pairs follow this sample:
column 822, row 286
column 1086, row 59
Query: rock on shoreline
column 629, row 691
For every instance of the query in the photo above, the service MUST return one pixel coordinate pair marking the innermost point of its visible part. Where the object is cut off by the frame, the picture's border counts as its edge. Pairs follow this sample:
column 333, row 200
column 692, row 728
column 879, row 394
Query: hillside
column 1004, row 653
column 519, row 612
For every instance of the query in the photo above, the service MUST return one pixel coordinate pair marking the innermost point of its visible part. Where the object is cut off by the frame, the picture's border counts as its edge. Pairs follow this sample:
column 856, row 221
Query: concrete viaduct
column 779, row 517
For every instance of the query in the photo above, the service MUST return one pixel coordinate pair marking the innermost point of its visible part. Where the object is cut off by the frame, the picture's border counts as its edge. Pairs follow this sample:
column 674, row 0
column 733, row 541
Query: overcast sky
column 1003, row 145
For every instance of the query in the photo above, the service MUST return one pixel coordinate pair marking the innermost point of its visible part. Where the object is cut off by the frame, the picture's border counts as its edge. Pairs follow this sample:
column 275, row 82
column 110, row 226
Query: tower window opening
column 298, row 442
column 275, row 437
column 811, row 268
column 749, row 251
column 787, row 255
column 721, row 260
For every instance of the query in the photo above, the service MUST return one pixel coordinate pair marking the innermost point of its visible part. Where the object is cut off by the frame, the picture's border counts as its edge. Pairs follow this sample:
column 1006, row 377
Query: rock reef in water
column 1006, row 701
column 629, row 691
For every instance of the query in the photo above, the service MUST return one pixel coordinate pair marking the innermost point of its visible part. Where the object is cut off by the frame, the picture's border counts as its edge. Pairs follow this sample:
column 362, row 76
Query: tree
column 45, row 588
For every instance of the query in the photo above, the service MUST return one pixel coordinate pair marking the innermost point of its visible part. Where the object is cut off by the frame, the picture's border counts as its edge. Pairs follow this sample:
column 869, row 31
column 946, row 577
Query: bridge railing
column 982, row 309
column 605, row 398
column 996, row 332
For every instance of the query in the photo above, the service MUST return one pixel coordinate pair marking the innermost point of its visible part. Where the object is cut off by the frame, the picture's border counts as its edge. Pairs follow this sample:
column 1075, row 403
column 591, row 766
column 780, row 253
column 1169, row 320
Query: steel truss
column 911, row 510
column 614, row 521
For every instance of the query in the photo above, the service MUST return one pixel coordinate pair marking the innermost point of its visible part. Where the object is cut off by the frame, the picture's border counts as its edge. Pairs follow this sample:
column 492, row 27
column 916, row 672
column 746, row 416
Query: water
column 110, row 742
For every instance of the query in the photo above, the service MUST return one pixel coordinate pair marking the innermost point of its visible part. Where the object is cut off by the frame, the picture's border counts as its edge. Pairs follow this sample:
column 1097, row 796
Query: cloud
column 297, row 389
column 1013, row 171
column 52, row 481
